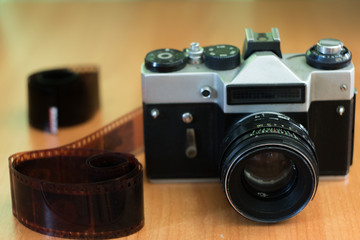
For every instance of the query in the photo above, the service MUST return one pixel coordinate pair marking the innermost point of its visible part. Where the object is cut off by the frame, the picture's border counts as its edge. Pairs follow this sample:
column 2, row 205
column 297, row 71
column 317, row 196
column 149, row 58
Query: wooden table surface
column 116, row 36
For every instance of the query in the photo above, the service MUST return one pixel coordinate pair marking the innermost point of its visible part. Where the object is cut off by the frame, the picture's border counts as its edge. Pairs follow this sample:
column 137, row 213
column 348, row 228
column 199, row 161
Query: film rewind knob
column 329, row 46
column 328, row 54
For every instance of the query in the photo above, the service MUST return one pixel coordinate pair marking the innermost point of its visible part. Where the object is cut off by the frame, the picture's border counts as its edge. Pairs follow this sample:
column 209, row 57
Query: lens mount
column 269, row 168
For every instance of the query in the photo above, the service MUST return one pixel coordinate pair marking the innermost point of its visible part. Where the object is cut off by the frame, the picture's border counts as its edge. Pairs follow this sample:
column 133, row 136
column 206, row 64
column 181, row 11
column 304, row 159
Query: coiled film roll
column 86, row 189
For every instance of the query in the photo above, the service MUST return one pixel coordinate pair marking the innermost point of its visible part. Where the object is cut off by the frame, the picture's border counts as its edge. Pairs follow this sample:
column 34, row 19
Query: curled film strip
column 88, row 189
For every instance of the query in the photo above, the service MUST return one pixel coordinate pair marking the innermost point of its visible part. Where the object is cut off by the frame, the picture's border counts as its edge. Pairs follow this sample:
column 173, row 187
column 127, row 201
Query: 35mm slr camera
column 267, row 124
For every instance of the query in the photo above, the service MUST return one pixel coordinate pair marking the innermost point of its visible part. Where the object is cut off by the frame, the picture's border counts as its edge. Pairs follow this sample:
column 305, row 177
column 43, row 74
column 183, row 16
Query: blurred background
column 116, row 35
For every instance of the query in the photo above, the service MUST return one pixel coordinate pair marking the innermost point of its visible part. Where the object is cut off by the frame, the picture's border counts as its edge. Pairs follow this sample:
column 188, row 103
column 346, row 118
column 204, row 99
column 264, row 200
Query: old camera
column 267, row 124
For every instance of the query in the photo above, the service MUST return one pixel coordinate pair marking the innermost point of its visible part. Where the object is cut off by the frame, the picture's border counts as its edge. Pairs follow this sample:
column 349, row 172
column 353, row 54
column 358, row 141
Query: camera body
column 192, row 98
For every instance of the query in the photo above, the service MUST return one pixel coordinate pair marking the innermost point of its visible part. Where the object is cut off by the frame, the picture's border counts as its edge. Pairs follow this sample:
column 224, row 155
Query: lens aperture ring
column 266, row 123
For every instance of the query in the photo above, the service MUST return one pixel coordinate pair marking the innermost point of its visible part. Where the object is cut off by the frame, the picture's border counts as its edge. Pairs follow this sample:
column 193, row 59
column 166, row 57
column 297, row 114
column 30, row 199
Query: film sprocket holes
column 267, row 124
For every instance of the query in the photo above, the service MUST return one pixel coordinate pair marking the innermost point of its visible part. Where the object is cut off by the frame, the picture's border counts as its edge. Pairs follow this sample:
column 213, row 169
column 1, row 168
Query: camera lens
column 269, row 168
column 269, row 174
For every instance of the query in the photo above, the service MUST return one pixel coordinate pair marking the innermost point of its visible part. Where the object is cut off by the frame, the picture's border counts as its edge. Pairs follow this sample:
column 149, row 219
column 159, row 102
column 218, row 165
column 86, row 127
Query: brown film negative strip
column 88, row 189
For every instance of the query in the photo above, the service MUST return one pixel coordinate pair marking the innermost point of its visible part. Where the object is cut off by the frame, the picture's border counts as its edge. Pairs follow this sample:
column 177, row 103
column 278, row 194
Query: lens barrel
column 269, row 168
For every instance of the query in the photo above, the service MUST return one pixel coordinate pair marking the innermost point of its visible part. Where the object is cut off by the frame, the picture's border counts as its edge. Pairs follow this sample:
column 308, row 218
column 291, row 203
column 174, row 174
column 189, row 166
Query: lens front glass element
column 269, row 174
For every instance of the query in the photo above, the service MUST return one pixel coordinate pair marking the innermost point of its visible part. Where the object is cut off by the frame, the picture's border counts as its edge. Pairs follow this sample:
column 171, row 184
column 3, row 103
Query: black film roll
column 62, row 97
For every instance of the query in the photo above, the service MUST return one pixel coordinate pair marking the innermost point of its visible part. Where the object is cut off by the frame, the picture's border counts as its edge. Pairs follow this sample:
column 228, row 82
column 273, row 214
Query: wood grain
column 116, row 36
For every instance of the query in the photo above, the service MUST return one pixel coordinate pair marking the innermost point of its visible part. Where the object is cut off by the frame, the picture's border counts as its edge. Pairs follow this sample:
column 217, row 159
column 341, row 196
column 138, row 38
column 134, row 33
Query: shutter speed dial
column 221, row 57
